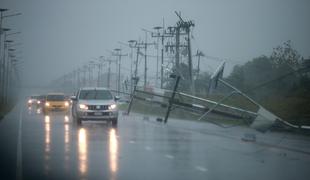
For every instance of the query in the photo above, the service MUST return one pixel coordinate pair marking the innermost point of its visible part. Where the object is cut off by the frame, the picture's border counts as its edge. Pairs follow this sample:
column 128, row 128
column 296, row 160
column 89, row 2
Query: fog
column 60, row 36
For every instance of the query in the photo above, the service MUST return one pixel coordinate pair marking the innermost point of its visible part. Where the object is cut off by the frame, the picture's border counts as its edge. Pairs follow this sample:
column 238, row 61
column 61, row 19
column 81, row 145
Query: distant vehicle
column 32, row 100
column 95, row 104
column 56, row 102
column 41, row 101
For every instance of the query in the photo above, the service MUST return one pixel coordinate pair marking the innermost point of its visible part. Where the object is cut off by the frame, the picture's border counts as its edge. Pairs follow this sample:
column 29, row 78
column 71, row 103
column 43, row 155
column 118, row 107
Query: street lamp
column 2, row 95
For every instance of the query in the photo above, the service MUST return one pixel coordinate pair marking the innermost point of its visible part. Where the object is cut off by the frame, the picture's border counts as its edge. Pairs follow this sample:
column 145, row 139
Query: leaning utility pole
column 186, row 25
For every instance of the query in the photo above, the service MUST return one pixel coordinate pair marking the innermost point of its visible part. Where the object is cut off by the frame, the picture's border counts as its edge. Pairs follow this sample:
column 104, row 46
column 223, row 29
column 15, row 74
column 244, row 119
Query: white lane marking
column 200, row 168
column 148, row 148
column 19, row 158
column 132, row 142
column 169, row 156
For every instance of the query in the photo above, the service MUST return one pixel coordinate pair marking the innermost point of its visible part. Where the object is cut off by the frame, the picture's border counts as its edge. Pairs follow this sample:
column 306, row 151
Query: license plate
column 97, row 113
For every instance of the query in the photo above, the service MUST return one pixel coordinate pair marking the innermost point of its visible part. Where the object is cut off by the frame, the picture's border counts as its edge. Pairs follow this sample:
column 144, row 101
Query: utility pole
column 109, row 72
column 90, row 72
column 119, row 54
column 186, row 25
column 100, row 64
column 161, row 35
column 85, row 67
column 199, row 54
column 145, row 45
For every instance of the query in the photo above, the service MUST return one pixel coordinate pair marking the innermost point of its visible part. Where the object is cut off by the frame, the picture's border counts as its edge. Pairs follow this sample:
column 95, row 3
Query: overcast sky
column 60, row 35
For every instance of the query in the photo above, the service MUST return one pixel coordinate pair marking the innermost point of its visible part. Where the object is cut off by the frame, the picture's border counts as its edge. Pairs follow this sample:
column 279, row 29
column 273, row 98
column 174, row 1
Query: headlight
column 83, row 106
column 47, row 104
column 112, row 106
column 39, row 102
column 66, row 103
column 29, row 101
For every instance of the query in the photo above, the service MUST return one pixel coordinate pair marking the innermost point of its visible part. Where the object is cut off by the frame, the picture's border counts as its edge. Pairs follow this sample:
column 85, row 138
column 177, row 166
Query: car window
column 55, row 98
column 34, row 97
column 95, row 94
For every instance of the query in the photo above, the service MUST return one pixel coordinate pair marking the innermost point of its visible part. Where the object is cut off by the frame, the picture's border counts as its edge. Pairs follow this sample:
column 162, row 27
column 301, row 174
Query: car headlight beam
column 47, row 104
column 83, row 106
column 66, row 103
column 112, row 106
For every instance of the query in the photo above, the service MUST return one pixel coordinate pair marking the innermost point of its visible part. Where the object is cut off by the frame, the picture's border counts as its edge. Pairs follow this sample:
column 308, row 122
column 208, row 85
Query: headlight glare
column 83, row 106
column 112, row 106
column 47, row 104
column 66, row 103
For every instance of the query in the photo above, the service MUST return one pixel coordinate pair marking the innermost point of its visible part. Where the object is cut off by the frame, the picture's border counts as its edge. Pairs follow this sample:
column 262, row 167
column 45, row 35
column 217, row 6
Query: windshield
column 95, row 94
column 55, row 98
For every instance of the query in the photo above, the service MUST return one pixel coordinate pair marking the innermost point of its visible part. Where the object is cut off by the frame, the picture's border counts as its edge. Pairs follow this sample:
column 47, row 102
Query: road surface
column 34, row 146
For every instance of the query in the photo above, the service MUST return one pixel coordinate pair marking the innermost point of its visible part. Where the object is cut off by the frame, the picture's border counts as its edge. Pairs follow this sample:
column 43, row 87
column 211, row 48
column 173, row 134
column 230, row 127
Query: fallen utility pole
column 172, row 96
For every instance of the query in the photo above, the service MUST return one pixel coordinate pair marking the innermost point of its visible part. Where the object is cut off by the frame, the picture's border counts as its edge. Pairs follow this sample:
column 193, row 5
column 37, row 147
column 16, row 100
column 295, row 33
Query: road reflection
column 82, row 151
column 67, row 141
column 47, row 143
column 113, row 153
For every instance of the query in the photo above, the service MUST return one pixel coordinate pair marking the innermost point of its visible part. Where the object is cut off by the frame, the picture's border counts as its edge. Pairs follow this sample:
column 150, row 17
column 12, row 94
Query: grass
column 156, row 110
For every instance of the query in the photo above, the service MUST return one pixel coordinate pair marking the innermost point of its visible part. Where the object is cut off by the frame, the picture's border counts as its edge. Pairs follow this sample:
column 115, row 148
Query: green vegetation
column 4, row 110
column 280, row 82
column 276, row 83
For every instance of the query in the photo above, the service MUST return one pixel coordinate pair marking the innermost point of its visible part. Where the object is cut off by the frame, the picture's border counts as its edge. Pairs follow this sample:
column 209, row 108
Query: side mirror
column 116, row 98
column 73, row 98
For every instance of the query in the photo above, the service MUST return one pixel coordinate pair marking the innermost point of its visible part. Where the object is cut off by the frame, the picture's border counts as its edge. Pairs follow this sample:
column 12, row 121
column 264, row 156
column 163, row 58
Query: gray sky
column 59, row 36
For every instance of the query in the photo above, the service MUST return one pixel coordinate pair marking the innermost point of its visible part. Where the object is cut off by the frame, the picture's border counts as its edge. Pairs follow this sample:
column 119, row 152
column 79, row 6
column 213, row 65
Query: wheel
column 78, row 121
column 114, row 122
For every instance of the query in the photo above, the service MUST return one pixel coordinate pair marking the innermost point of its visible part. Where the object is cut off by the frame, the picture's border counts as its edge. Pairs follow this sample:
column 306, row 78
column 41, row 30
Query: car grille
column 102, row 114
column 98, row 107
column 57, row 106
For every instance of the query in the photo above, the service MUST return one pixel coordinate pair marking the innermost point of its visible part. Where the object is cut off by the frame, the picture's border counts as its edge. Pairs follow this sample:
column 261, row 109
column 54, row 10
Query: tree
column 286, row 55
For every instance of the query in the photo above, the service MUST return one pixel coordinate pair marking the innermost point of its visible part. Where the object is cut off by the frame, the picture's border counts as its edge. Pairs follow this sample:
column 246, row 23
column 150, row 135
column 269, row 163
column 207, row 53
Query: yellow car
column 56, row 102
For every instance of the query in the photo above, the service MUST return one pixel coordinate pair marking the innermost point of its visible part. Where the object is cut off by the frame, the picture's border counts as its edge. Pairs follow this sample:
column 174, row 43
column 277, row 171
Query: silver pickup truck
column 94, row 104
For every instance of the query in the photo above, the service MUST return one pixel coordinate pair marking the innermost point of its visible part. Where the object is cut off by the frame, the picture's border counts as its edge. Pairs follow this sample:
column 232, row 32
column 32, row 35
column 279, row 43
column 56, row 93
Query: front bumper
column 63, row 108
column 97, row 115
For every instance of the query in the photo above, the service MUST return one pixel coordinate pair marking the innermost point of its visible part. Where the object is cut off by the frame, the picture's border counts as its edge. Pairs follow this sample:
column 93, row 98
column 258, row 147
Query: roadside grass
column 4, row 109
column 160, row 112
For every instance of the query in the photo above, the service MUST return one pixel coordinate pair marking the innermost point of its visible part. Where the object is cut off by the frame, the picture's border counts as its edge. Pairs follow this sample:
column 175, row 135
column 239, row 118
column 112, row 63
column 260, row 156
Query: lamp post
column 2, row 10
column 5, row 63
column 1, row 30
column 8, row 74
column 2, row 80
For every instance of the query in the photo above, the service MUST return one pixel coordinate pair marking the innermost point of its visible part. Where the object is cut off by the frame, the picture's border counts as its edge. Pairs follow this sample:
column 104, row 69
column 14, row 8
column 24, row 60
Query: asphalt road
column 34, row 146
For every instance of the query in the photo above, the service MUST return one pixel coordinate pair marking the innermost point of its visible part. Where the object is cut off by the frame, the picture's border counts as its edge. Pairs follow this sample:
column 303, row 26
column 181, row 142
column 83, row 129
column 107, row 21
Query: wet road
column 34, row 146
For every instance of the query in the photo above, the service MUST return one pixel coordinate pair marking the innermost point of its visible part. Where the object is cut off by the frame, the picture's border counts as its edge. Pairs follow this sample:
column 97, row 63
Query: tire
column 114, row 122
column 78, row 121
